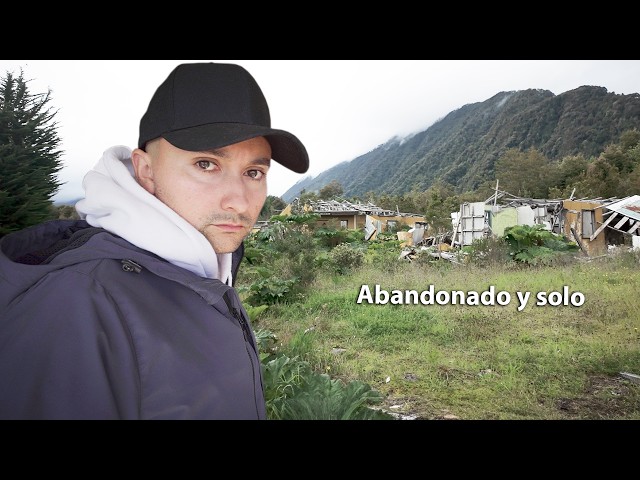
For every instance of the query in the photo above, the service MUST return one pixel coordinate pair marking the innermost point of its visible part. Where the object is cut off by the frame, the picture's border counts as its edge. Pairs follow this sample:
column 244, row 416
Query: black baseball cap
column 203, row 106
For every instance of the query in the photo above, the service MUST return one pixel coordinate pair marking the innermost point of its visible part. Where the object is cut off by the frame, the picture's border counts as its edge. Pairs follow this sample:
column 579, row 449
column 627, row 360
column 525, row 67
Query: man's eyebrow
column 217, row 152
column 222, row 153
column 262, row 161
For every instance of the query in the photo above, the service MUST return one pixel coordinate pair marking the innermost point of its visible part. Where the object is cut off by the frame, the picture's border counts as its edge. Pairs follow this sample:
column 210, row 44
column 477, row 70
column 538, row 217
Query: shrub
column 344, row 258
column 287, row 248
column 536, row 245
column 268, row 291
column 384, row 254
column 488, row 251
column 294, row 392
column 320, row 397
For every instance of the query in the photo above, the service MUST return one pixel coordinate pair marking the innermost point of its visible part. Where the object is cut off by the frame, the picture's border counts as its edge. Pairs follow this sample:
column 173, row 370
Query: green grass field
column 446, row 361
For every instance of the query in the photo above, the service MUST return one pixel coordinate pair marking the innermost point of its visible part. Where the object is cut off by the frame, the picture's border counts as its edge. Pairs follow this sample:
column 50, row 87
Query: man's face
column 219, row 192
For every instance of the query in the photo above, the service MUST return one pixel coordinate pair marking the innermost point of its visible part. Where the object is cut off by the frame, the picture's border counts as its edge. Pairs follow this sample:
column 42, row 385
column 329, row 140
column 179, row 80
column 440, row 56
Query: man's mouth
column 229, row 227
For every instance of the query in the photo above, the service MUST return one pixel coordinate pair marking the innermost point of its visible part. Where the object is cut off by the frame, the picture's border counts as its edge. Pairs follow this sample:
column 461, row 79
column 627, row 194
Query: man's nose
column 234, row 194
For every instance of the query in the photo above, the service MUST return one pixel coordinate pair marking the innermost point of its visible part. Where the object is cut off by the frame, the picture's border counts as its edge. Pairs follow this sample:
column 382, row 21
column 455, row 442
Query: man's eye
column 205, row 164
column 256, row 174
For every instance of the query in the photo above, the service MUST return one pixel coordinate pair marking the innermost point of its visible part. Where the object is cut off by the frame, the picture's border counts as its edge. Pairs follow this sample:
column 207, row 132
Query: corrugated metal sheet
column 629, row 207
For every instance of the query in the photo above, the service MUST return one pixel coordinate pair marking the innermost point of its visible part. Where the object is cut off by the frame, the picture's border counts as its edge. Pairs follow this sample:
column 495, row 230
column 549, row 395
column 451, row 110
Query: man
column 130, row 312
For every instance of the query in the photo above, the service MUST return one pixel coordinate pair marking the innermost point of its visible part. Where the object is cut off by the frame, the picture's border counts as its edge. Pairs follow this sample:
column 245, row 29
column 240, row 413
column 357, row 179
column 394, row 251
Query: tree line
column 615, row 173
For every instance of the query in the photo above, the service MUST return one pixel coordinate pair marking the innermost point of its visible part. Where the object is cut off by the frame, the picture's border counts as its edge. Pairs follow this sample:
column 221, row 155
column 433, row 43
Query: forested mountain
column 463, row 147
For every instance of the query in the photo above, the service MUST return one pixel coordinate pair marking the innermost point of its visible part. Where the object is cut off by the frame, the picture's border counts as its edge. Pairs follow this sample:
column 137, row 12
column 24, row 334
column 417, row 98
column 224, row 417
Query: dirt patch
column 604, row 398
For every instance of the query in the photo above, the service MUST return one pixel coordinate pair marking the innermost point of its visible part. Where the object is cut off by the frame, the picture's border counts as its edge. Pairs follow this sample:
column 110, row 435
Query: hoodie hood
column 29, row 255
column 116, row 202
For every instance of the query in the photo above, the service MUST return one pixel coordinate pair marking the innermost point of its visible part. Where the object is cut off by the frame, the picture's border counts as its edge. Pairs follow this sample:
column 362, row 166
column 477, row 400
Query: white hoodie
column 116, row 202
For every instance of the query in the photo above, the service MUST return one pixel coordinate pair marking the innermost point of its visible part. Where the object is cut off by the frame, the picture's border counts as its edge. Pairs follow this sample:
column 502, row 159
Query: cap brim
column 286, row 149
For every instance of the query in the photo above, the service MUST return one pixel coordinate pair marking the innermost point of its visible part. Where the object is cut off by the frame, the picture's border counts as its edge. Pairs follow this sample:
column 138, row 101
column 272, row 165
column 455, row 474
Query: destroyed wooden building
column 357, row 216
column 593, row 224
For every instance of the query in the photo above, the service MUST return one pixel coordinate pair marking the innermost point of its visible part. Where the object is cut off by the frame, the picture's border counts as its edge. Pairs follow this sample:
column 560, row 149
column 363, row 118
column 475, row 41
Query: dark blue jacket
column 92, row 327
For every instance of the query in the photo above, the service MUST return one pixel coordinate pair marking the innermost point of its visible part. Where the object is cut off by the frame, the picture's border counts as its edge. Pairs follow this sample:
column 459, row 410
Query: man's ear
column 143, row 170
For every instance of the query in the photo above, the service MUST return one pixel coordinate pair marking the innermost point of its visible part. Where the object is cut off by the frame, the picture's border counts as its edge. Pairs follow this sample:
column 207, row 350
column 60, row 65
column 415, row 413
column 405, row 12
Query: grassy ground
column 478, row 362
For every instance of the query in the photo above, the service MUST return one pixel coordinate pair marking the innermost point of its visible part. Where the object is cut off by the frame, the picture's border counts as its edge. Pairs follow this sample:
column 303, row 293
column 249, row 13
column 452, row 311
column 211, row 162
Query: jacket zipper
column 248, row 337
column 243, row 323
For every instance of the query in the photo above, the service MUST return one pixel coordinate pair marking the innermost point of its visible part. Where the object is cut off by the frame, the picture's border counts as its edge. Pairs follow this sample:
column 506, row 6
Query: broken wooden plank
column 575, row 235
column 635, row 227
column 631, row 376
column 621, row 222
column 602, row 227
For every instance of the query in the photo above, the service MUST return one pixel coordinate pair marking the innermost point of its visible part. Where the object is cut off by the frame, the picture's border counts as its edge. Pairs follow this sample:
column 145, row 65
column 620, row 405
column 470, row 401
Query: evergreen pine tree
column 29, row 155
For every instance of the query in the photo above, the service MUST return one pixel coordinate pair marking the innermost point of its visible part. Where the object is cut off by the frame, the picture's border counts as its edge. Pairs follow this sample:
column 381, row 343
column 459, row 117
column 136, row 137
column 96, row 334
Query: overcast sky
column 339, row 109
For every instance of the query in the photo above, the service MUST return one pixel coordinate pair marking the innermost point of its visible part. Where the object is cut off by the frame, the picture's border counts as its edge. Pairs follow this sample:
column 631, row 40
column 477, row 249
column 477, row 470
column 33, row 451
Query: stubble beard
column 226, row 242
